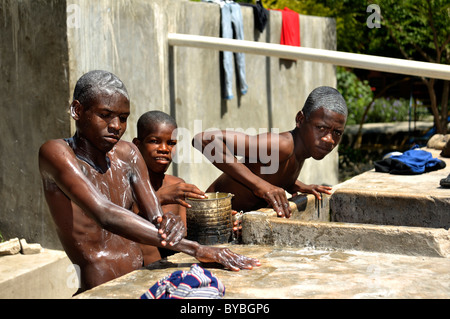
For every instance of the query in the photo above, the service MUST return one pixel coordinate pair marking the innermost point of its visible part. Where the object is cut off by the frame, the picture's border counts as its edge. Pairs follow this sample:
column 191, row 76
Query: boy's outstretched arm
column 221, row 149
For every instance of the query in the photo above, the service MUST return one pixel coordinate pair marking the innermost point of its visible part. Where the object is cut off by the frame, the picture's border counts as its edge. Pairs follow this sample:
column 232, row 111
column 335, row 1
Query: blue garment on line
column 196, row 283
column 231, row 19
column 232, row 25
column 412, row 162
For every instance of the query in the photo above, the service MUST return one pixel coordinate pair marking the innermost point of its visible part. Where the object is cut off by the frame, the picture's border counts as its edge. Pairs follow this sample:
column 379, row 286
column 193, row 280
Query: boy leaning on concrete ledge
column 271, row 163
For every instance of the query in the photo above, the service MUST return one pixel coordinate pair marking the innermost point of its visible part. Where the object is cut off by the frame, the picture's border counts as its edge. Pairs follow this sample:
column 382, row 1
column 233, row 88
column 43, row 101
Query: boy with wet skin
column 91, row 181
column 257, row 183
column 156, row 142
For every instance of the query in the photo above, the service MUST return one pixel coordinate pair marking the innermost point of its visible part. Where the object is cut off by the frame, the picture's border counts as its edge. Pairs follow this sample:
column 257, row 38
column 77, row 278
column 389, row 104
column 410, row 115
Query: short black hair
column 150, row 119
column 96, row 82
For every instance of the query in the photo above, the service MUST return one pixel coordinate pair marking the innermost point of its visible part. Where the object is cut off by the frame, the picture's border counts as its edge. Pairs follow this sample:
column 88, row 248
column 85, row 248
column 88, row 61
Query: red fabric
column 290, row 27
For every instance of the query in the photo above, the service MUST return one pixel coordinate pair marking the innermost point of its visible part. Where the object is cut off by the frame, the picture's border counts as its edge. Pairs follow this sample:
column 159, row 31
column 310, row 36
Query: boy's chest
column 114, row 184
column 287, row 173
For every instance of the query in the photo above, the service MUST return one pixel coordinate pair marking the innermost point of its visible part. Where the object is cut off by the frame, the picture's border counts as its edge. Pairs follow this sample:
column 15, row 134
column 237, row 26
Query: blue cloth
column 232, row 19
column 197, row 283
column 412, row 162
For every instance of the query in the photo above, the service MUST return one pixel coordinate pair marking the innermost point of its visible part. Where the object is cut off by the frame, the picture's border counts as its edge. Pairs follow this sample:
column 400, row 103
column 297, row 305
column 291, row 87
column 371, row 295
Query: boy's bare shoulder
column 126, row 150
column 51, row 149
column 170, row 180
column 55, row 143
column 286, row 144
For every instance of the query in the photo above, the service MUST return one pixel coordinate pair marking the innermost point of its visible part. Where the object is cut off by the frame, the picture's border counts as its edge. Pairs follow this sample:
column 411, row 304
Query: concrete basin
column 288, row 272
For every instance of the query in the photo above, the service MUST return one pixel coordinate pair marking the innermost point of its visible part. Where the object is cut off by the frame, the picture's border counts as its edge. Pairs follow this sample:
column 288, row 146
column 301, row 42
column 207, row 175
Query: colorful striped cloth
column 196, row 283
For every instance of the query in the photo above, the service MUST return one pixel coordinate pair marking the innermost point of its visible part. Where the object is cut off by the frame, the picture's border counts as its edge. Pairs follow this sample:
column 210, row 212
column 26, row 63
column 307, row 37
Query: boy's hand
column 316, row 190
column 237, row 224
column 171, row 228
column 177, row 193
column 275, row 197
column 226, row 257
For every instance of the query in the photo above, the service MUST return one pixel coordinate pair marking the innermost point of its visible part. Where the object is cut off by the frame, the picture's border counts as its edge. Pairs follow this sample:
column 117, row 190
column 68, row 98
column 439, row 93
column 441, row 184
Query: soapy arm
column 58, row 166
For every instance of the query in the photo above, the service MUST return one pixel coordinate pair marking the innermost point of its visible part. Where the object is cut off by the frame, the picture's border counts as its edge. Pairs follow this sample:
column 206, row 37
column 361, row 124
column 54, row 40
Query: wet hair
column 94, row 83
column 149, row 120
column 325, row 97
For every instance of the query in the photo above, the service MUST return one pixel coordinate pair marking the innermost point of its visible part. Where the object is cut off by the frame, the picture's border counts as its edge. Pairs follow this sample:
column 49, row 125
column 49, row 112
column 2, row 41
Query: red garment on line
column 290, row 27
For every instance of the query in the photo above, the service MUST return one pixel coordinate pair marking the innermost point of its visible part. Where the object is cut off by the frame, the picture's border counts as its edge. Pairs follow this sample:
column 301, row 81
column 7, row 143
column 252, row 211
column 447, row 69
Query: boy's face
column 157, row 147
column 104, row 122
column 322, row 132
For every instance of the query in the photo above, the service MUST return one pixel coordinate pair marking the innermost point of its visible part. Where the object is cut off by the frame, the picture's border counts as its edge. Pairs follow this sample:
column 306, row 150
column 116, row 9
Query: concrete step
column 47, row 274
column 400, row 200
column 374, row 212
column 260, row 228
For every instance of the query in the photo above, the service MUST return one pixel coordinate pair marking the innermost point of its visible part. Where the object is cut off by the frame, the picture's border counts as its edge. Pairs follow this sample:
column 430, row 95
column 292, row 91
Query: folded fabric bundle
column 412, row 162
column 196, row 283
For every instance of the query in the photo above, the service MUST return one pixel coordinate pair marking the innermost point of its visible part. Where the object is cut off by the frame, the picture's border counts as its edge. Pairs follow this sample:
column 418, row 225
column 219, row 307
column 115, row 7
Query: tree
column 420, row 31
column 410, row 29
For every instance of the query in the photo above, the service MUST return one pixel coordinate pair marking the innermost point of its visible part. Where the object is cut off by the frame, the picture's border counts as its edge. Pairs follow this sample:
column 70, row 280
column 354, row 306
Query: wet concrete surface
column 308, row 273
column 384, row 245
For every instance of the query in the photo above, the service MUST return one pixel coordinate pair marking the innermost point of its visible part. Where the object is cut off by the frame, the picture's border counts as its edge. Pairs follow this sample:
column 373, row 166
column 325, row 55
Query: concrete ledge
column 49, row 274
column 307, row 207
column 262, row 229
column 401, row 200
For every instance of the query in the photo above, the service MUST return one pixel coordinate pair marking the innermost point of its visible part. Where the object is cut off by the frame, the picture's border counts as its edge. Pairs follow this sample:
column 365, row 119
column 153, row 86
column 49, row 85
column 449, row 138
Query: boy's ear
column 136, row 142
column 299, row 118
column 75, row 109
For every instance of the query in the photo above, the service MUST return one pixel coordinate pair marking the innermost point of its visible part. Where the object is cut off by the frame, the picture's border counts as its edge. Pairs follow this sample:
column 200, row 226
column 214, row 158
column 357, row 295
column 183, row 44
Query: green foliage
column 1, row 238
column 388, row 110
column 420, row 29
column 356, row 93
column 350, row 15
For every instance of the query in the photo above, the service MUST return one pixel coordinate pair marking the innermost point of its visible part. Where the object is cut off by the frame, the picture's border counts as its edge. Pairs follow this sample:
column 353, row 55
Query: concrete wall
column 40, row 63
column 34, row 90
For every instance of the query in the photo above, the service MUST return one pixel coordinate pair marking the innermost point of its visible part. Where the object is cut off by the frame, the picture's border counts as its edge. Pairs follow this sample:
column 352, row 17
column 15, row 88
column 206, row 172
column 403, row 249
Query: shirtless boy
column 319, row 127
column 156, row 143
column 91, row 181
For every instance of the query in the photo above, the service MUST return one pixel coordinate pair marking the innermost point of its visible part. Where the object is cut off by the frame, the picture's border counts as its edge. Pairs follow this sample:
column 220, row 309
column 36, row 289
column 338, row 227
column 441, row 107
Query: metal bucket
column 209, row 220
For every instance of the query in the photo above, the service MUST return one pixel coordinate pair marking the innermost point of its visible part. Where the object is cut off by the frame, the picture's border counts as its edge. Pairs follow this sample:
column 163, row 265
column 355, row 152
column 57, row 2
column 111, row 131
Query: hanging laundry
column 290, row 27
column 232, row 20
column 219, row 2
column 196, row 283
column 232, row 24
column 412, row 162
column 260, row 14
